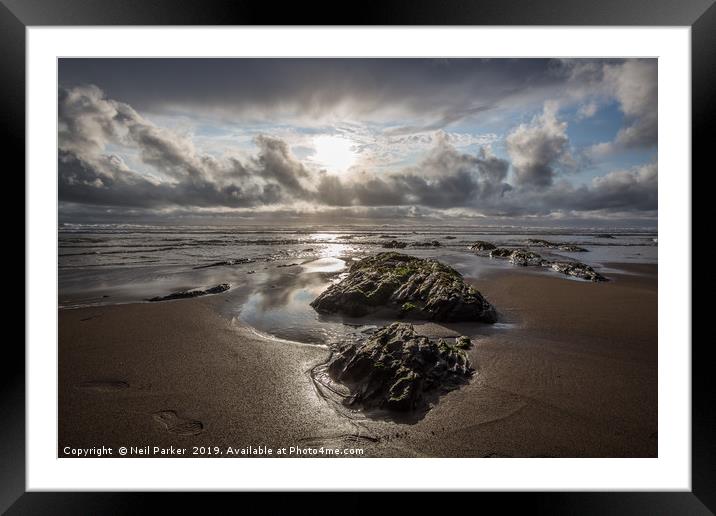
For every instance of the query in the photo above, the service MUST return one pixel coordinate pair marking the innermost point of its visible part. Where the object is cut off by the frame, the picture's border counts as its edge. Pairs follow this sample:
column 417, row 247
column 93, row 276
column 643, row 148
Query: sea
column 276, row 272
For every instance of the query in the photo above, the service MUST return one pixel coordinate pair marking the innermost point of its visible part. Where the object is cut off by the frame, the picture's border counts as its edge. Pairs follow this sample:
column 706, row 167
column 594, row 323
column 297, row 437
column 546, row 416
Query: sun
column 335, row 153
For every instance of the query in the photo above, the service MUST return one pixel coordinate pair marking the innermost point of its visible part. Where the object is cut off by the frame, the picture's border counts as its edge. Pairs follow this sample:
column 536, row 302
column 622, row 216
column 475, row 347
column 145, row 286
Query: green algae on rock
column 405, row 286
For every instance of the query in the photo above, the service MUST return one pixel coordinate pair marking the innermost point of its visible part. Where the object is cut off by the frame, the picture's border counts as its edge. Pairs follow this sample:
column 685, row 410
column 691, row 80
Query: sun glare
column 334, row 153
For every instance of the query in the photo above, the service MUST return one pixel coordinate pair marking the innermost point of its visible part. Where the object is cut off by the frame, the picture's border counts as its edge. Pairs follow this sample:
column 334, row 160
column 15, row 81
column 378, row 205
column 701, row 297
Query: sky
column 539, row 142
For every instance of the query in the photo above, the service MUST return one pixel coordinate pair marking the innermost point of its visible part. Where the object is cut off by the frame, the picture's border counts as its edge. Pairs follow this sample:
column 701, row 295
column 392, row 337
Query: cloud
column 633, row 84
column 587, row 110
column 111, row 157
column 445, row 178
column 90, row 123
column 425, row 94
column 536, row 148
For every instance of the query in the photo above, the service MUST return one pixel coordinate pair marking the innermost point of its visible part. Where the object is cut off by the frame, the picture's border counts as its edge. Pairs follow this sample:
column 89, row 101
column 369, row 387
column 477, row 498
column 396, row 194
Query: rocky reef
column 501, row 252
column 537, row 242
column 404, row 286
column 432, row 243
column 186, row 294
column 236, row 261
column 578, row 270
column 395, row 368
column 394, row 244
column 481, row 245
column 527, row 258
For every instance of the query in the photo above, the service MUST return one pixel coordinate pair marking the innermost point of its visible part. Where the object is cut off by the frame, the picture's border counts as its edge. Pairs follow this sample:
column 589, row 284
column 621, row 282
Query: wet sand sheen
column 576, row 376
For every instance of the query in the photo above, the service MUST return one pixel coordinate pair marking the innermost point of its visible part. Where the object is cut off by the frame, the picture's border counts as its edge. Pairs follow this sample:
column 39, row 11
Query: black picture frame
column 700, row 15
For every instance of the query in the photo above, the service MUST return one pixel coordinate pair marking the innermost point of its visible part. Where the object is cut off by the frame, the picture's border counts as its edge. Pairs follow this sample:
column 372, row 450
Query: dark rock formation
column 526, row 258
column 481, row 245
column 237, row 261
column 405, row 286
column 395, row 367
column 572, row 248
column 449, row 237
column 432, row 243
column 186, row 294
column 501, row 252
column 578, row 270
column 603, row 235
column 394, row 244
column 536, row 242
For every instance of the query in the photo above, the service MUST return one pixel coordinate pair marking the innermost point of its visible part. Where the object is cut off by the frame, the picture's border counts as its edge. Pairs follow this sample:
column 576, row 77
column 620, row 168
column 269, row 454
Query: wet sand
column 575, row 375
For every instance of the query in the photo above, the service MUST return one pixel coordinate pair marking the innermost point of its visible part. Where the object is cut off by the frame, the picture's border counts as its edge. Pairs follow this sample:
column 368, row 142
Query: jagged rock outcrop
column 432, row 243
column 394, row 244
column 395, row 367
column 578, row 270
column 501, row 252
column 236, row 261
column 405, row 286
column 527, row 258
column 186, row 294
column 481, row 245
column 571, row 248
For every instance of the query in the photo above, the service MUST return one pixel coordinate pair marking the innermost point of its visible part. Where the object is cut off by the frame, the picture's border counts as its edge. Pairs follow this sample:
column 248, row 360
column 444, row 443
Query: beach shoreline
column 571, row 374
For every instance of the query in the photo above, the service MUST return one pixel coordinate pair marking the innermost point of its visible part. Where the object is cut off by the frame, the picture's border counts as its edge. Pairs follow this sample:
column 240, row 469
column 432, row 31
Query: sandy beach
column 571, row 372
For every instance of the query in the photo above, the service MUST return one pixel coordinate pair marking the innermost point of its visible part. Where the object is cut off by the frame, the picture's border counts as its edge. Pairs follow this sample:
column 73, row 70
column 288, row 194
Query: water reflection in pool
column 279, row 303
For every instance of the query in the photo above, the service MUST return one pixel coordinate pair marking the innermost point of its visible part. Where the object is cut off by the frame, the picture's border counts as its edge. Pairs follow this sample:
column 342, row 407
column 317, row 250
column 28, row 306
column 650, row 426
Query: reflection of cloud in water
column 288, row 289
column 281, row 307
column 324, row 265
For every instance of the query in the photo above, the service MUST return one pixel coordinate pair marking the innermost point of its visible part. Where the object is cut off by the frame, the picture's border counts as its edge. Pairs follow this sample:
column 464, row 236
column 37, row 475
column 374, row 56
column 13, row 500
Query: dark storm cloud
column 89, row 122
column 440, row 91
column 111, row 156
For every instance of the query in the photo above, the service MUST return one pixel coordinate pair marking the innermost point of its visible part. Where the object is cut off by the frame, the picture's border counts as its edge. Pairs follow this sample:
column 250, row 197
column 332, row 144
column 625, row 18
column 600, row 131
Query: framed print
column 445, row 249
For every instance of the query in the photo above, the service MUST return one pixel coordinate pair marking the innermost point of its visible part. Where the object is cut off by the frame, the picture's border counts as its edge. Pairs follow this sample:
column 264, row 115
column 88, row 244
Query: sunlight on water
column 324, row 265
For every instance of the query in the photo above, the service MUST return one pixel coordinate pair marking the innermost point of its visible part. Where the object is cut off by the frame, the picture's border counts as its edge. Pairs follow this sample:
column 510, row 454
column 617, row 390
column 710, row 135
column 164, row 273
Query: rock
column 540, row 243
column 578, row 270
column 394, row 244
column 405, row 286
column 572, row 248
column 501, row 252
column 463, row 342
column 282, row 266
column 481, row 245
column 388, row 236
column 433, row 243
column 185, row 294
column 450, row 238
column 537, row 242
column 603, row 235
column 237, row 261
column 395, row 367
column 526, row 258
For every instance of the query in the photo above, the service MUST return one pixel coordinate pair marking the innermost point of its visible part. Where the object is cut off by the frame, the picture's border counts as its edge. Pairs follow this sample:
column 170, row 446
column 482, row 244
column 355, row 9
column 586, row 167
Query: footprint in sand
column 104, row 386
column 178, row 425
